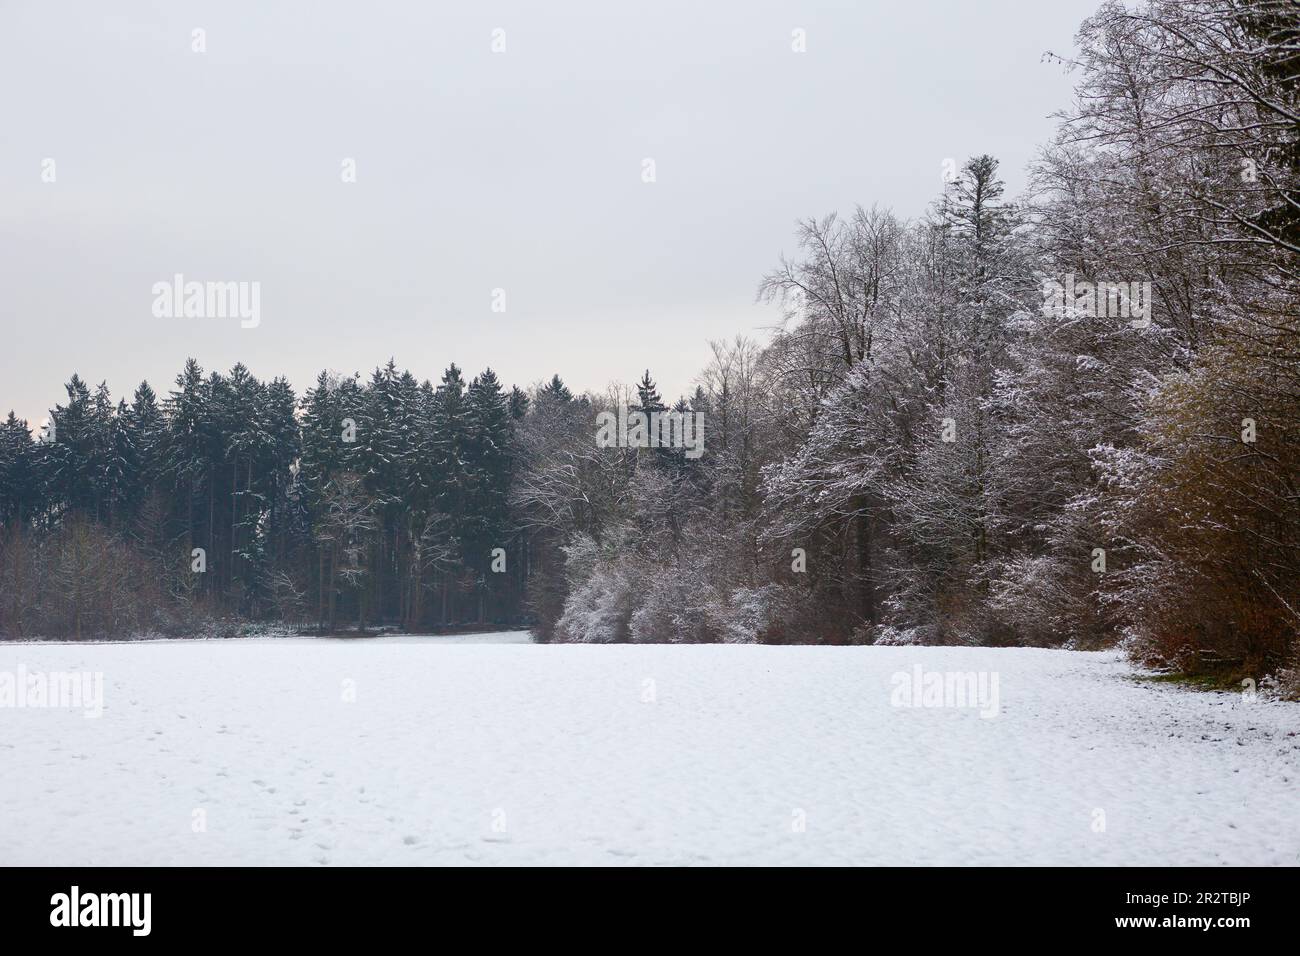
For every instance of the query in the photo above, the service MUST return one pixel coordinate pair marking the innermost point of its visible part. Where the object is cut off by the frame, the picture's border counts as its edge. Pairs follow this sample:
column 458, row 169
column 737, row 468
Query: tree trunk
column 866, row 572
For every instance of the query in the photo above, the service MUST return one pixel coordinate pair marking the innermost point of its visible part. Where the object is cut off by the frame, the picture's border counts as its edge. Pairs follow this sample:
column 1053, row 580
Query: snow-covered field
column 490, row 750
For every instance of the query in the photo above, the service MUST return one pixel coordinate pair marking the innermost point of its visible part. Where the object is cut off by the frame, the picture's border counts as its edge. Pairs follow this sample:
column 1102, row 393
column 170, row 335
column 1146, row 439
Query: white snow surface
column 490, row 750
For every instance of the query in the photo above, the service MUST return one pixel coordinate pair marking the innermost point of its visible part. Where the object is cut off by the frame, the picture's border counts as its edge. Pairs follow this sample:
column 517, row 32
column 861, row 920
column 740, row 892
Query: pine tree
column 488, row 461
column 555, row 390
column 449, row 422
column 648, row 398
column 519, row 403
column 20, row 479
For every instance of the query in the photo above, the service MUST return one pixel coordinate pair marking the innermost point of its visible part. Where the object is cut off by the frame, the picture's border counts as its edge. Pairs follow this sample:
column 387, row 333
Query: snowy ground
column 492, row 751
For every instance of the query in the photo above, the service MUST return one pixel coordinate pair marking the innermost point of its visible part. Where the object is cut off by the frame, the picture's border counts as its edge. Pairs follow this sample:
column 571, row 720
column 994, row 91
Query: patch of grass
column 1223, row 681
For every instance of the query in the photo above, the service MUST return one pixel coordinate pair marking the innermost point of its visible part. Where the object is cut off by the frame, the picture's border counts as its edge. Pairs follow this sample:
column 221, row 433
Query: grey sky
column 519, row 170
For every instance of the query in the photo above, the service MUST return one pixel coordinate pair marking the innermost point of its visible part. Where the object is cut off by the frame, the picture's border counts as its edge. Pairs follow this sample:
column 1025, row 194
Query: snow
column 489, row 750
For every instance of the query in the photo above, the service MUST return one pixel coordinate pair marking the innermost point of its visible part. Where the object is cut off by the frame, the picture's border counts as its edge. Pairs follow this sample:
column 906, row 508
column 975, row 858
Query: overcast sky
column 475, row 170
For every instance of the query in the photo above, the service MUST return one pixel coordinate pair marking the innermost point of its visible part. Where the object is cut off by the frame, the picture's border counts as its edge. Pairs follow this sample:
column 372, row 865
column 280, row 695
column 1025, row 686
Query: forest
column 938, row 445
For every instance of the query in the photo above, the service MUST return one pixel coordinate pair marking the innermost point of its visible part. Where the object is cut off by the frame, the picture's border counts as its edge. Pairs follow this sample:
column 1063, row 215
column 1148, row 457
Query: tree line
column 379, row 501
column 932, row 448
column 936, row 447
